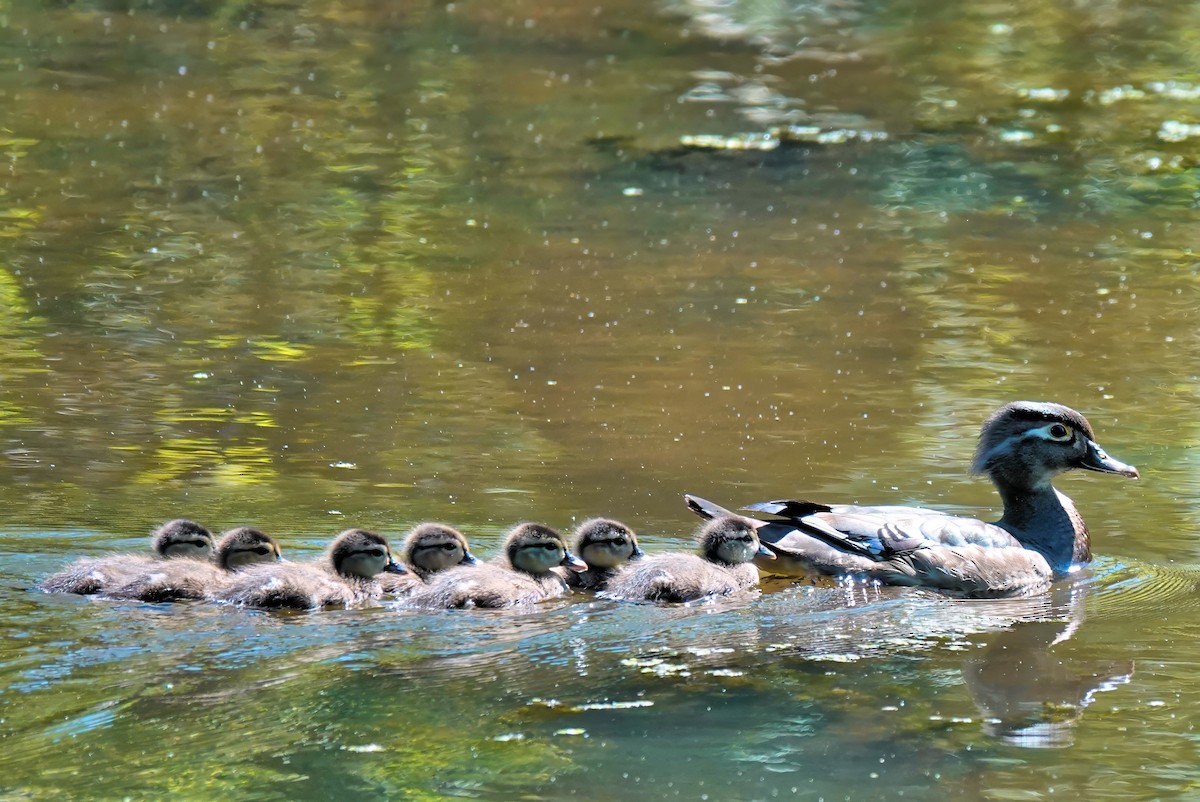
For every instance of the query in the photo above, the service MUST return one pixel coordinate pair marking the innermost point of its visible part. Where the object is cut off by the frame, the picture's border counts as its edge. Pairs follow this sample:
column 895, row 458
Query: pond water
column 324, row 264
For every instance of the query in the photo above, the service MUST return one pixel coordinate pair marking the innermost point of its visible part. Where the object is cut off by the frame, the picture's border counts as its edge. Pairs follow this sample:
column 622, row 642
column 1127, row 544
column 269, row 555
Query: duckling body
column 728, row 544
column 344, row 577
column 1040, row 537
column 289, row 585
column 179, row 538
column 605, row 545
column 428, row 549
column 173, row 580
column 520, row 575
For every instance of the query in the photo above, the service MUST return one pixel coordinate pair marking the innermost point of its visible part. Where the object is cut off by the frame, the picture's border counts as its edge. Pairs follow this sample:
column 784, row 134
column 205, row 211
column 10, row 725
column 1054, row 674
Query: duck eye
column 448, row 547
column 1059, row 432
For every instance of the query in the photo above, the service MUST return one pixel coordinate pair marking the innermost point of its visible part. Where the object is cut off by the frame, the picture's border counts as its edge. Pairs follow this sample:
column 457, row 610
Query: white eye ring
column 1059, row 432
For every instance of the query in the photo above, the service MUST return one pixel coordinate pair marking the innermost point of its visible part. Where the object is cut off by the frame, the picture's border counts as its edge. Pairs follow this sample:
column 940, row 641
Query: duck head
column 535, row 549
column 604, row 543
column 431, row 547
column 1025, row 444
column 244, row 546
column 360, row 554
column 183, row 538
column 731, row 540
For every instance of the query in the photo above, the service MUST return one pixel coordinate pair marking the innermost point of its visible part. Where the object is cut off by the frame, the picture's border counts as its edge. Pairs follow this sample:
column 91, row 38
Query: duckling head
column 604, row 543
column 183, row 538
column 244, row 546
column 360, row 554
column 1025, row 444
column 431, row 547
column 731, row 540
column 535, row 549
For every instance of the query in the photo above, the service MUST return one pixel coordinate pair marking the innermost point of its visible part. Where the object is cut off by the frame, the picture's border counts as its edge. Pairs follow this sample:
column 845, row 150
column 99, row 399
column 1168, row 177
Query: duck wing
column 892, row 545
column 881, row 532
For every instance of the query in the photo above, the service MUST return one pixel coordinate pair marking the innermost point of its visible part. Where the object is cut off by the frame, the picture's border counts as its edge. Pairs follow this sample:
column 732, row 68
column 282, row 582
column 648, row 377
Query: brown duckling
column 345, row 576
column 428, row 549
column 727, row 546
column 521, row 575
column 177, row 538
column 172, row 580
column 605, row 545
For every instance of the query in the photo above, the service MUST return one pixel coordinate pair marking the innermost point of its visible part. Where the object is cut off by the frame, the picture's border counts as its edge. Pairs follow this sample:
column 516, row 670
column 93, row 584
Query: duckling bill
column 1041, row 535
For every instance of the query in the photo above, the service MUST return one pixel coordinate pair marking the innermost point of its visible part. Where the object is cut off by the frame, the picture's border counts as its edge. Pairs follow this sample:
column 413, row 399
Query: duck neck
column 1046, row 521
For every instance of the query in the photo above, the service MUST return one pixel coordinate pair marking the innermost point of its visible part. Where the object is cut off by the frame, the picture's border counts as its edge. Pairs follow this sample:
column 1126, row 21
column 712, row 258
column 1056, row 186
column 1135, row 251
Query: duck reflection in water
column 1024, row 667
column 1030, row 696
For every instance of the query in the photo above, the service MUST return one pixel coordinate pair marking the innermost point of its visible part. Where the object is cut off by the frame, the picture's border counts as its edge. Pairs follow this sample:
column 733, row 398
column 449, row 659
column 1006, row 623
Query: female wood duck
column 177, row 538
column 728, row 544
column 345, row 577
column 428, row 549
column 173, row 580
column 605, row 545
column 520, row 575
column 1040, row 537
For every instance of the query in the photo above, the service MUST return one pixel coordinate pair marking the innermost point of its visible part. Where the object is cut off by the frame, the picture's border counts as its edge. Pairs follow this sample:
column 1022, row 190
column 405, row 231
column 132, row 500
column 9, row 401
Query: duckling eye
column 447, row 547
column 1060, row 432
column 261, row 550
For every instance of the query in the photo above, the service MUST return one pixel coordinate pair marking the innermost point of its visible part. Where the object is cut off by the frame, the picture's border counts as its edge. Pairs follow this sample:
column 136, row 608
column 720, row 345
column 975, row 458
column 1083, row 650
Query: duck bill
column 1097, row 459
column 765, row 552
column 394, row 567
column 574, row 563
column 470, row 559
column 637, row 554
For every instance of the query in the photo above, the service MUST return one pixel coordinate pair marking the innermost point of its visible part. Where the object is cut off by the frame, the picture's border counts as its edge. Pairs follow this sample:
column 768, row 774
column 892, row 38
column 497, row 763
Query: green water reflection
column 307, row 265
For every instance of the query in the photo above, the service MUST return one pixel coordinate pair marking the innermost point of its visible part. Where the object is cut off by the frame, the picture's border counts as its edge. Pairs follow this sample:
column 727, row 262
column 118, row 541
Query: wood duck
column 173, row 580
column 605, row 545
column 177, row 538
column 728, row 544
column 520, row 575
column 345, row 576
column 1040, row 537
column 428, row 549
